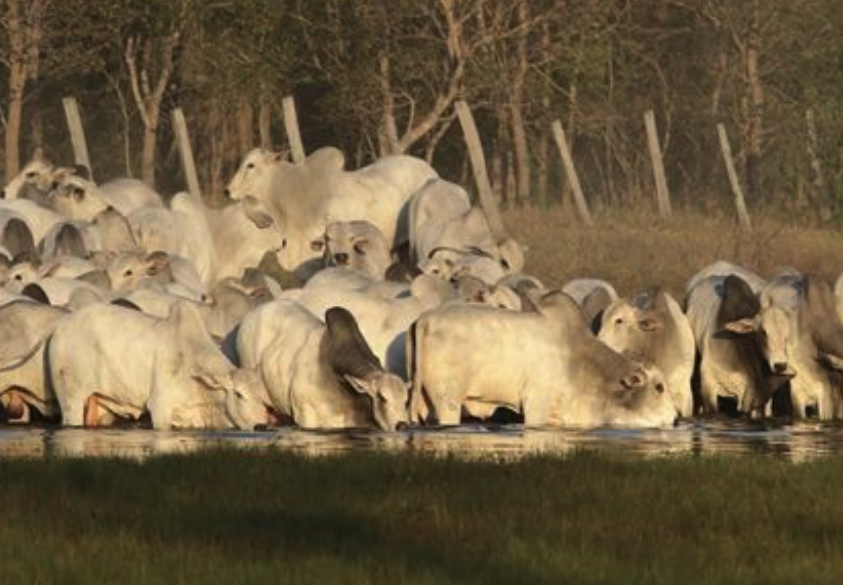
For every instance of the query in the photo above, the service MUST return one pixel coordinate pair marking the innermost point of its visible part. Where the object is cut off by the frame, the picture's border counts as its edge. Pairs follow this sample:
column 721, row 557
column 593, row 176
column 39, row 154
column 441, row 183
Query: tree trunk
column 150, row 138
column 265, row 123
column 245, row 123
column 519, row 130
column 755, row 107
column 17, row 83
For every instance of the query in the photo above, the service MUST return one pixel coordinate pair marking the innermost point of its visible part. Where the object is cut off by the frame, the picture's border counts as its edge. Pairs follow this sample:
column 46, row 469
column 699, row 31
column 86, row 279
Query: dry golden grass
column 634, row 249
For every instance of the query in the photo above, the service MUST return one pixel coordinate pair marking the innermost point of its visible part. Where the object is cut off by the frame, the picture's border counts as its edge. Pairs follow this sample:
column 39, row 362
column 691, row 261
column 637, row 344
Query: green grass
column 235, row 517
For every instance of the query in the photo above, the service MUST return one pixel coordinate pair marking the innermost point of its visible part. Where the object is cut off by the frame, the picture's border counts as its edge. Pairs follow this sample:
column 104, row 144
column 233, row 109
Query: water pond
column 791, row 442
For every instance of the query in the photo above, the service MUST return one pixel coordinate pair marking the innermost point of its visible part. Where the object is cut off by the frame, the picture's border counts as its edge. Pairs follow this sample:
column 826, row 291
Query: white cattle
column 383, row 322
column 744, row 340
column 546, row 365
column 652, row 328
column 223, row 308
column 108, row 362
column 38, row 219
column 341, row 278
column 450, row 264
column 132, row 270
column 24, row 328
column 320, row 375
column 304, row 198
column 723, row 268
column 355, row 244
column 70, row 238
column 817, row 344
column 34, row 181
column 221, row 243
column 441, row 217
column 76, row 197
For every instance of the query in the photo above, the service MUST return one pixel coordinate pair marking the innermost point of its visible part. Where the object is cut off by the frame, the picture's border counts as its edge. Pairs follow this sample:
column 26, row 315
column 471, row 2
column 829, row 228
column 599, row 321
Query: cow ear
column 215, row 382
column 832, row 361
column 741, row 326
column 636, row 379
column 156, row 262
column 361, row 385
column 257, row 212
column 344, row 347
column 649, row 323
column 739, row 301
column 361, row 245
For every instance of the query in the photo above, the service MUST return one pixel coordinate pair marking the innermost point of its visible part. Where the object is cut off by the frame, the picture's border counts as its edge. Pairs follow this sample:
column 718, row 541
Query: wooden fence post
column 740, row 204
column 77, row 134
column 291, row 123
column 478, row 165
column 571, row 172
column 186, row 153
column 658, row 165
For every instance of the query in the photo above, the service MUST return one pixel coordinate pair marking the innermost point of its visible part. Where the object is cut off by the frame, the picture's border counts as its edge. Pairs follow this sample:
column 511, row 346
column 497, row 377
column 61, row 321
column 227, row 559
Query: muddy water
column 791, row 442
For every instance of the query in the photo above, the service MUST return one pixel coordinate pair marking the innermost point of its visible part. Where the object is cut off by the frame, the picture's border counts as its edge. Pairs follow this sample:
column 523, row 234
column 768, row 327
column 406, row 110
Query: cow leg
column 446, row 408
column 798, row 400
column 419, row 410
column 536, row 412
column 72, row 414
column 91, row 411
column 708, row 391
column 825, row 411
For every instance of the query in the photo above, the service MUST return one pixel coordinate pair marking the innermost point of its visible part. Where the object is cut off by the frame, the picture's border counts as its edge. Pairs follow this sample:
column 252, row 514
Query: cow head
column 625, row 326
column 767, row 325
column 33, row 182
column 253, row 176
column 354, row 365
column 129, row 270
column 24, row 269
column 357, row 244
column 820, row 324
column 77, row 198
column 641, row 398
column 247, row 402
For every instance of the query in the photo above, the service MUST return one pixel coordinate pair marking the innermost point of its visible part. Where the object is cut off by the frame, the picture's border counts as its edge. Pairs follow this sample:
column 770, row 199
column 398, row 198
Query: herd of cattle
column 116, row 306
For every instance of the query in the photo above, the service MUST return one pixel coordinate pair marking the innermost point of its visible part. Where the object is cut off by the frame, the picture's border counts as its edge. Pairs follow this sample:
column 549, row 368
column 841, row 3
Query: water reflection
column 792, row 442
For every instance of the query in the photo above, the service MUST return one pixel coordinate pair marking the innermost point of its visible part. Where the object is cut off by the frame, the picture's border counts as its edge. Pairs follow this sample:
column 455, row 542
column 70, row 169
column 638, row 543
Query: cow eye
column 31, row 175
column 239, row 394
column 128, row 273
column 619, row 321
column 250, row 166
column 18, row 277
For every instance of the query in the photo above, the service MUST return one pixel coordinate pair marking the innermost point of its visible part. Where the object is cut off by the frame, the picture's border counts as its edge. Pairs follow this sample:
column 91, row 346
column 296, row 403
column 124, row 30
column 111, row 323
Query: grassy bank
column 275, row 518
column 633, row 249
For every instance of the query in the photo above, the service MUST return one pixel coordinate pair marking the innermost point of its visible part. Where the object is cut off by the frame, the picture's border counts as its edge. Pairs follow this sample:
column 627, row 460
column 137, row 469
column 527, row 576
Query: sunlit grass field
column 634, row 249
column 264, row 517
